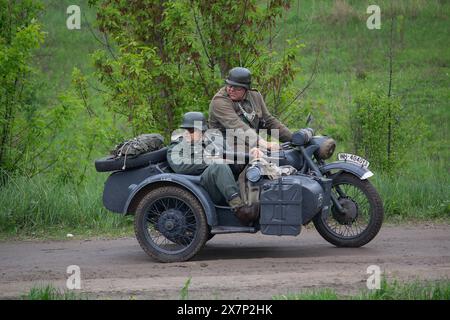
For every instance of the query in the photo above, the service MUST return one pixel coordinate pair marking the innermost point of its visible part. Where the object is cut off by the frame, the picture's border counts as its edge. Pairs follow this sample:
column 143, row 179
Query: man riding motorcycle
column 237, row 106
column 216, row 178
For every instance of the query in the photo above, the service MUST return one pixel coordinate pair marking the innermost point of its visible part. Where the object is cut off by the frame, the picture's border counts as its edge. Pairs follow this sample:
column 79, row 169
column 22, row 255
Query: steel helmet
column 194, row 120
column 239, row 76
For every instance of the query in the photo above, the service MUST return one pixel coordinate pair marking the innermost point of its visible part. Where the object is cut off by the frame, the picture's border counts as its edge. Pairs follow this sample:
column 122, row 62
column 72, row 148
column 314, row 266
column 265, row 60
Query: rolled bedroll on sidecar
column 137, row 152
column 113, row 163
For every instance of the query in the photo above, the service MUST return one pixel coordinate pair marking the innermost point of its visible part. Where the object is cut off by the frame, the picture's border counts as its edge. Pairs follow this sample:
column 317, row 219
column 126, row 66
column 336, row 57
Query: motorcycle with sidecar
column 174, row 215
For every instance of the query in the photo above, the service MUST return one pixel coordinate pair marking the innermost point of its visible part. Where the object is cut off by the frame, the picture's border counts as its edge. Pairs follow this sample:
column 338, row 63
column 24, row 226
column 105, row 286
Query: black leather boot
column 247, row 214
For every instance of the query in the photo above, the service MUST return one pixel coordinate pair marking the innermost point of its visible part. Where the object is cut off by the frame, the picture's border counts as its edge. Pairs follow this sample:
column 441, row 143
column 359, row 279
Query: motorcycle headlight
column 326, row 147
column 253, row 174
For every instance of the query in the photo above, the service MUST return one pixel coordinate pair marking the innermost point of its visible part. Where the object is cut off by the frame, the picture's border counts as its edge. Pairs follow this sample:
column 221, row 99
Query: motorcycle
column 174, row 215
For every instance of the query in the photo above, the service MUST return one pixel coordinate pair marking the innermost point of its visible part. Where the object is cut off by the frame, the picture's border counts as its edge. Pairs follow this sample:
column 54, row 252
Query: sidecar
column 175, row 216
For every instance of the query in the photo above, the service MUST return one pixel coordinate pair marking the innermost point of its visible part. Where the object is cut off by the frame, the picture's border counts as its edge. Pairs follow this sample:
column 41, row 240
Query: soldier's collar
column 245, row 95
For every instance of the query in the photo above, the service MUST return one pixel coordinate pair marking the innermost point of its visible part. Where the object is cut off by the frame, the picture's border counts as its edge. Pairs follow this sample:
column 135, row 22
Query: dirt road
column 229, row 267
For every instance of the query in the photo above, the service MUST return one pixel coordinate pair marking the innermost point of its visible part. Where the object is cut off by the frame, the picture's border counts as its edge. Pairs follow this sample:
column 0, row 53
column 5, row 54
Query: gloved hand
column 309, row 133
column 310, row 130
column 302, row 136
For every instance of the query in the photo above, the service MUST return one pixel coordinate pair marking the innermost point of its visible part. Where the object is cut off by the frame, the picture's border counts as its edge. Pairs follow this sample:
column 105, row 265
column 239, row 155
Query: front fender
column 188, row 182
column 354, row 169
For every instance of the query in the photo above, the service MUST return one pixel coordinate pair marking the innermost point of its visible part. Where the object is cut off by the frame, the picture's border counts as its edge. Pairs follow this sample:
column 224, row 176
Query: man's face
column 236, row 93
column 193, row 135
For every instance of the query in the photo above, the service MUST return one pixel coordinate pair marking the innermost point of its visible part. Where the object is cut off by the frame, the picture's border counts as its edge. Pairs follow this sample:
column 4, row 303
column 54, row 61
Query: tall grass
column 395, row 290
column 417, row 290
column 315, row 294
column 420, row 190
column 42, row 205
column 49, row 292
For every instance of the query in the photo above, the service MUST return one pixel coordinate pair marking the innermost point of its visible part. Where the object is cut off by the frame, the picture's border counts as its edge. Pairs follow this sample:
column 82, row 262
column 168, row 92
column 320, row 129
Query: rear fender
column 186, row 182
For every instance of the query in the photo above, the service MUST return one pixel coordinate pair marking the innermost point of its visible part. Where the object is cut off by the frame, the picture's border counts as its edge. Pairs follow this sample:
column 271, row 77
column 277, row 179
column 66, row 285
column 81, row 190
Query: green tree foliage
column 84, row 131
column 383, row 131
column 36, row 137
column 172, row 55
column 241, row 33
column 20, row 34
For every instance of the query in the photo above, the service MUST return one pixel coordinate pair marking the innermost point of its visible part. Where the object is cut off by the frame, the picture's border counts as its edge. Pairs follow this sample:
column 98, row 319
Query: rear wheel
column 363, row 214
column 170, row 224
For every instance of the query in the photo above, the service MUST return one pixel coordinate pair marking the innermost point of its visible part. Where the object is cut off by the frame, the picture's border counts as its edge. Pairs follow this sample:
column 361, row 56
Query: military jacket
column 185, row 157
column 227, row 114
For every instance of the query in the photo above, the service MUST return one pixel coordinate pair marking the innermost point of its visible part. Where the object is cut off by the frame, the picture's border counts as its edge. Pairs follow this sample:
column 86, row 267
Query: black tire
column 375, row 214
column 142, row 222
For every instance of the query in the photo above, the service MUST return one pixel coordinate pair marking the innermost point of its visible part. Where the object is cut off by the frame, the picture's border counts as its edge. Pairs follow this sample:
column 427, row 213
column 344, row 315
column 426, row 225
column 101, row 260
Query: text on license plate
column 353, row 158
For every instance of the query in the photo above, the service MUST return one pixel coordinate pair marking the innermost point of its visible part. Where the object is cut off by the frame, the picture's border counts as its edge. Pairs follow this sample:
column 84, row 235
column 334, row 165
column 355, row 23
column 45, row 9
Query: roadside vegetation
column 390, row 290
column 394, row 290
column 67, row 116
column 49, row 292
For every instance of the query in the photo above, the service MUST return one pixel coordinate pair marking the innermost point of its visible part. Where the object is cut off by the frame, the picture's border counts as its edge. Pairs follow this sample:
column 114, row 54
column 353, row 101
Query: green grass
column 40, row 207
column 184, row 292
column 318, row 294
column 49, row 292
column 419, row 191
column 417, row 290
column 395, row 290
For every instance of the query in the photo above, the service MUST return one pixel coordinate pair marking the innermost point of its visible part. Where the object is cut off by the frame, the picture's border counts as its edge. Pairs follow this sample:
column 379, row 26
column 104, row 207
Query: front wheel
column 363, row 214
column 170, row 224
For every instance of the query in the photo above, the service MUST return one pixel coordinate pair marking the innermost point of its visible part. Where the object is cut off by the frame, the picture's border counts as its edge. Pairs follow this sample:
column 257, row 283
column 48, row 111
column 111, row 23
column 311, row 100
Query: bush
column 382, row 130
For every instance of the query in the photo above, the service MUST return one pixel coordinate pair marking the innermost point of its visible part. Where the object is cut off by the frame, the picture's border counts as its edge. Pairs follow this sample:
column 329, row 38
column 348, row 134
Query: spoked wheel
column 170, row 224
column 362, row 217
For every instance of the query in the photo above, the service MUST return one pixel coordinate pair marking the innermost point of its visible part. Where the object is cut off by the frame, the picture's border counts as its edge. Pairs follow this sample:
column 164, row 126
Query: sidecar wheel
column 170, row 224
column 364, row 216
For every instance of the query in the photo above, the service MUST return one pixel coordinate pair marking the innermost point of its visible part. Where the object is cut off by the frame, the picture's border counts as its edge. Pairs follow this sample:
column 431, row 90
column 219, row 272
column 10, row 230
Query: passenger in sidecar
column 185, row 156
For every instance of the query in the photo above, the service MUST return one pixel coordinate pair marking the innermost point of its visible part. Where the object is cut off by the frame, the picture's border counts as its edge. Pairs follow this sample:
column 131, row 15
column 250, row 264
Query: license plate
column 354, row 159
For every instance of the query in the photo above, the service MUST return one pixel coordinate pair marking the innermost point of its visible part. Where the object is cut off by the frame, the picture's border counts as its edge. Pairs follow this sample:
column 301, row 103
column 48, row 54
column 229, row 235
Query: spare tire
column 111, row 163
